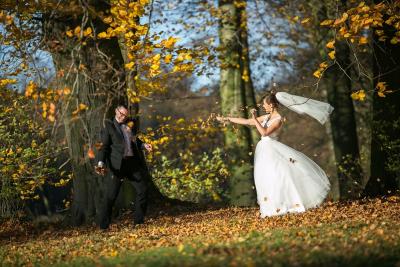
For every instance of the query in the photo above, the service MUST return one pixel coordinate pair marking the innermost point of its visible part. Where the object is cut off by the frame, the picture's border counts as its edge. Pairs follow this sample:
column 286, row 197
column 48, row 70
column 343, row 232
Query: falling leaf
column 90, row 153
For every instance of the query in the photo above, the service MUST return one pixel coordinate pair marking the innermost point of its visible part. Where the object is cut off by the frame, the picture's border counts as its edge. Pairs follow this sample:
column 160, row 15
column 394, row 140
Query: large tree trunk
column 237, row 139
column 247, row 82
column 95, row 72
column 343, row 123
column 385, row 118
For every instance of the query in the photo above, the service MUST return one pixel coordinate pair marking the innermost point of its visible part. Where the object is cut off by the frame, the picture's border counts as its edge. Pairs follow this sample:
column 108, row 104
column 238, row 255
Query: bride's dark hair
column 270, row 97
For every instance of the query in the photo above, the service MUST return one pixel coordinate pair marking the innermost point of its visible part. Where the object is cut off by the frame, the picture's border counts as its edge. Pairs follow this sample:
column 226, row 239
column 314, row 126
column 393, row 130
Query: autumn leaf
column 87, row 32
column 304, row 21
column 102, row 35
column 331, row 44
column 358, row 95
column 77, row 30
column 363, row 40
column 326, row 22
column 90, row 153
column 167, row 58
column 317, row 74
column 70, row 33
column 331, row 54
column 130, row 65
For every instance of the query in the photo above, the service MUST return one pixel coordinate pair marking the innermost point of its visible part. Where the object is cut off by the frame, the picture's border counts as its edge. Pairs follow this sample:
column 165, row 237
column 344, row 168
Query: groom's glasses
column 122, row 114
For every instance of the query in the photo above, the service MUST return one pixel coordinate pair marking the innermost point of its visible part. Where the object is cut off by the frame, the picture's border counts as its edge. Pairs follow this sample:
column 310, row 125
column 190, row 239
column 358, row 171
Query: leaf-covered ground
column 360, row 233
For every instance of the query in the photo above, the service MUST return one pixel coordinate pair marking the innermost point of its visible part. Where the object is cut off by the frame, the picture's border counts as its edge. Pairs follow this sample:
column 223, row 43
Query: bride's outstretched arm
column 265, row 131
column 241, row 121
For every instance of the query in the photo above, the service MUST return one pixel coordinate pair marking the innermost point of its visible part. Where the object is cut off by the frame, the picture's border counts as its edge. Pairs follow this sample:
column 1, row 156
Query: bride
column 286, row 180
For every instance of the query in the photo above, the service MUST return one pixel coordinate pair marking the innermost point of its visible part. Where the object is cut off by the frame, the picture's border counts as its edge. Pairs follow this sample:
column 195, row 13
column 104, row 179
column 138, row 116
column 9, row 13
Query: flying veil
column 302, row 105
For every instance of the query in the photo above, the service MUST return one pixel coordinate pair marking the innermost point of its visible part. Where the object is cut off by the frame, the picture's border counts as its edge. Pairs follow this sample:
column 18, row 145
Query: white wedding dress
column 286, row 180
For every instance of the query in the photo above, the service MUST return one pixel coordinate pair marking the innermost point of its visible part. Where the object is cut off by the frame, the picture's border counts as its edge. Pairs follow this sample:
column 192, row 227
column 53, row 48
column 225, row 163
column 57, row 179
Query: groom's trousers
column 131, row 170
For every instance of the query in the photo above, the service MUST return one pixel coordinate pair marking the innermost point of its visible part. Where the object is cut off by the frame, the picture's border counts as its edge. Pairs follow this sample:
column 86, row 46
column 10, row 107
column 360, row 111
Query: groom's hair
column 122, row 106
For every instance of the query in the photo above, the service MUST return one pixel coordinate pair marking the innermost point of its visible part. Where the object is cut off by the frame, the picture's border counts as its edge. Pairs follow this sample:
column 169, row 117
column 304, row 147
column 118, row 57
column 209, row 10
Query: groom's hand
column 100, row 169
column 148, row 147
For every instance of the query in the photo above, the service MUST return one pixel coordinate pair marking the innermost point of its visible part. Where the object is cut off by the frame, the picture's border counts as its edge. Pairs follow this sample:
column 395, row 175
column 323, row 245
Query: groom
column 120, row 156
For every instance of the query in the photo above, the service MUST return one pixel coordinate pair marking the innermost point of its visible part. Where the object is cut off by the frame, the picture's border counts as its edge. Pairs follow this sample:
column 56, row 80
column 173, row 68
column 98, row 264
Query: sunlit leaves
column 363, row 17
column 321, row 68
column 332, row 54
column 132, row 96
column 80, row 108
column 26, row 157
column 170, row 42
column 331, row 44
column 358, row 95
column 382, row 89
column 5, row 82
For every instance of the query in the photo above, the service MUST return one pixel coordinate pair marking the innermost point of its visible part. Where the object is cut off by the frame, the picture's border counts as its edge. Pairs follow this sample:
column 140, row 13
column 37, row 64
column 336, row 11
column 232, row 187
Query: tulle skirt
column 286, row 180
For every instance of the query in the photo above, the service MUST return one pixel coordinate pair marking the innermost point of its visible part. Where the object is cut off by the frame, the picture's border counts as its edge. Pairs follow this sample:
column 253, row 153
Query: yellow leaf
column 326, row 22
column 69, row 33
column 102, row 35
column 170, row 42
column 66, row 91
column 122, row 13
column 331, row 44
column 77, row 30
column 155, row 67
column 332, row 54
column 129, row 65
column 188, row 57
column 317, row 74
column 107, row 20
column 363, row 40
column 394, row 40
column 304, row 21
column 87, row 32
column 358, row 95
column 167, row 58
column 381, row 94
column 82, row 106
column 157, row 57
column 381, row 86
column 323, row 65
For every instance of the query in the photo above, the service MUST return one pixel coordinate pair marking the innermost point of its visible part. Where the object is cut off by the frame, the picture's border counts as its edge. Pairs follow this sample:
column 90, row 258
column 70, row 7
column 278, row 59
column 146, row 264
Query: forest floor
column 359, row 233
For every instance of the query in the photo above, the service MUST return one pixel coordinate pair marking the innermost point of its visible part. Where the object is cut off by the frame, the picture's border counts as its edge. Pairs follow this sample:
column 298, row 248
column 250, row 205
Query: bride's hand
column 253, row 112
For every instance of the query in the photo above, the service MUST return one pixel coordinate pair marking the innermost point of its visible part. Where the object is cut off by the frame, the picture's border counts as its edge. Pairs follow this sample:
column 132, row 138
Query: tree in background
column 233, row 100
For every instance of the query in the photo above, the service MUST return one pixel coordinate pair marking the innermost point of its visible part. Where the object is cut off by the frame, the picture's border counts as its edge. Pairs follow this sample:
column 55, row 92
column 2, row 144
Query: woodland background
column 65, row 65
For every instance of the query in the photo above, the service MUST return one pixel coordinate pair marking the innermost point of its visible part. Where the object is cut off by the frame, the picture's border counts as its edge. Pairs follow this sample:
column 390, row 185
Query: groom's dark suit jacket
column 111, row 151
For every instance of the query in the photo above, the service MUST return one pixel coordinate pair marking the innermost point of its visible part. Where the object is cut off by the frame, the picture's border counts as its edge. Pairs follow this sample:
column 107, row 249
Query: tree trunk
column 385, row 118
column 95, row 72
column 247, row 82
column 237, row 139
column 343, row 123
